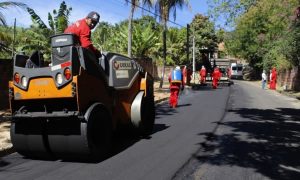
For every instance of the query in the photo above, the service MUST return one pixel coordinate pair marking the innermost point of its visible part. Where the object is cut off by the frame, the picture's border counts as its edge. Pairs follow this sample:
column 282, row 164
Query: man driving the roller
column 82, row 29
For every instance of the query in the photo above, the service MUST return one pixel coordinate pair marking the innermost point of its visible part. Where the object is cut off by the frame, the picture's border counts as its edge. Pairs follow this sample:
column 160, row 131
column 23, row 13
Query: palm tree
column 60, row 21
column 7, row 4
column 164, row 8
column 5, row 36
column 134, row 4
column 144, row 40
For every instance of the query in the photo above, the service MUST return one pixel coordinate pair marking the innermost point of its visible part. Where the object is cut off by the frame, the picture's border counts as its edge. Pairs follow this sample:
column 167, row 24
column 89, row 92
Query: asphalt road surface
column 237, row 132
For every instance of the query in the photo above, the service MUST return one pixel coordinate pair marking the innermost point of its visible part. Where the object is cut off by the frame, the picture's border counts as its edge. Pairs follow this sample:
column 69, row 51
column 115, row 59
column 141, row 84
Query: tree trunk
column 130, row 30
column 164, row 53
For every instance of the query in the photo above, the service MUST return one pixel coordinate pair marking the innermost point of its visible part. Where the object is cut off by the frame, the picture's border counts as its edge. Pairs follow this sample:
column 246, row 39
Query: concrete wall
column 6, row 75
column 290, row 78
column 148, row 66
column 151, row 67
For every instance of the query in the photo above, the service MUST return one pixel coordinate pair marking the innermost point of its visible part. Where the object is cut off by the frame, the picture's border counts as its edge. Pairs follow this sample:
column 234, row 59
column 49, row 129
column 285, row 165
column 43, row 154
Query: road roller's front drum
column 68, row 139
column 29, row 138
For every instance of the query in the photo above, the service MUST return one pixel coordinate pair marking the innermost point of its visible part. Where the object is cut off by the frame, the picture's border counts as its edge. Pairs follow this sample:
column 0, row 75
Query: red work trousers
column 174, row 94
column 202, row 79
column 215, row 83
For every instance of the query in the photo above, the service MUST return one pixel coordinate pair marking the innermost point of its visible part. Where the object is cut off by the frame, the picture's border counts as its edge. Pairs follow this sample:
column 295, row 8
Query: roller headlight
column 24, row 81
column 59, row 78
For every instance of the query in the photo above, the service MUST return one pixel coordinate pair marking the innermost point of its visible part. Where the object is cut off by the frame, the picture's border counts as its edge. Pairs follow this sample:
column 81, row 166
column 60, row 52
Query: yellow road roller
column 71, row 107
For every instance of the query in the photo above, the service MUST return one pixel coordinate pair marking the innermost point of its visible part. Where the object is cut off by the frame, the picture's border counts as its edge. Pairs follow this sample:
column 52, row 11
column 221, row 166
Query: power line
column 153, row 13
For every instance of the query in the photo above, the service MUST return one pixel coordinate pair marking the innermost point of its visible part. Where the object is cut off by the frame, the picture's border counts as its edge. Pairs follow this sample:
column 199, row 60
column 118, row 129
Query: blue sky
column 112, row 11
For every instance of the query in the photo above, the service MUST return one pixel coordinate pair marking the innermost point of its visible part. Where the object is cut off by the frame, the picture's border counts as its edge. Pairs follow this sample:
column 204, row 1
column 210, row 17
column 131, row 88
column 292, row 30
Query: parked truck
column 236, row 70
column 224, row 67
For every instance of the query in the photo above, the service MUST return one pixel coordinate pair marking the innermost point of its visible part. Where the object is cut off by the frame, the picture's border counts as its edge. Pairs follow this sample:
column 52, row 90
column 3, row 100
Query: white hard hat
column 177, row 67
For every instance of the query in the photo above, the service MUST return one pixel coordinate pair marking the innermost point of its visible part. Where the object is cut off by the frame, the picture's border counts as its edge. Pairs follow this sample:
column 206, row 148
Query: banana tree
column 102, row 36
column 143, row 41
column 176, row 39
column 4, row 42
column 34, row 39
column 7, row 4
column 58, row 22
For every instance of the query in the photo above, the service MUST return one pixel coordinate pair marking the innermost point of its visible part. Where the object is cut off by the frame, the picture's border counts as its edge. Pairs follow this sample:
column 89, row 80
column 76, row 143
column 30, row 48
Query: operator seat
column 36, row 60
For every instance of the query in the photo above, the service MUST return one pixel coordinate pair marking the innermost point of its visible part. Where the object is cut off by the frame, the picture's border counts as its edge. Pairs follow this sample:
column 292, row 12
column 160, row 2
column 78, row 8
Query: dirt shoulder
column 5, row 143
column 281, row 90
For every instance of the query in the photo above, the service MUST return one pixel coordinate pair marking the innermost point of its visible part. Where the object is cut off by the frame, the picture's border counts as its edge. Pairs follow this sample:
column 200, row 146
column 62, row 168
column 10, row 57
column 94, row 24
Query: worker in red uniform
column 189, row 76
column 229, row 72
column 202, row 74
column 176, row 84
column 216, row 75
column 82, row 29
column 184, row 74
column 273, row 79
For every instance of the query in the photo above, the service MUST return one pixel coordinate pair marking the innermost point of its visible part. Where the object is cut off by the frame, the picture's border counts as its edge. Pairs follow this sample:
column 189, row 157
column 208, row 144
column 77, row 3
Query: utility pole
column 194, row 68
column 188, row 43
column 13, row 43
column 164, row 54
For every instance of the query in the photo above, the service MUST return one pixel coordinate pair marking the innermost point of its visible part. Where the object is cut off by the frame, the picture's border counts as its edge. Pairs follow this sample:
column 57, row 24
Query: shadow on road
column 198, row 87
column 126, row 137
column 207, row 87
column 183, row 105
column 268, row 142
column 164, row 110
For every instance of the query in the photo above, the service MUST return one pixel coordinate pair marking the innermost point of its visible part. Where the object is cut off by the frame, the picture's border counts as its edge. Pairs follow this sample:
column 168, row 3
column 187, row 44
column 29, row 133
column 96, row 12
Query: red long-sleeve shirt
column 216, row 74
column 202, row 72
column 83, row 31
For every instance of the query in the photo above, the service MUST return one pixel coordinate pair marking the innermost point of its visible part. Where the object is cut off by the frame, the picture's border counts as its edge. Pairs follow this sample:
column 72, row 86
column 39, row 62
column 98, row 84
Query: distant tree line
column 147, row 35
column 265, row 33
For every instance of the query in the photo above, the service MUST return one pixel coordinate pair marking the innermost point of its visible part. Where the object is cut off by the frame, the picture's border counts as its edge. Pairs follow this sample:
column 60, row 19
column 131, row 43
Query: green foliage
column 58, row 22
column 5, row 39
column 165, row 7
column 61, row 18
column 27, row 40
column 230, row 10
column 134, row 4
column 37, row 21
column 292, row 42
column 34, row 39
column 143, row 40
column 204, row 32
column 114, row 37
column 264, row 35
column 147, row 39
column 176, row 43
